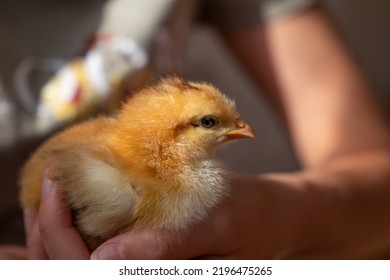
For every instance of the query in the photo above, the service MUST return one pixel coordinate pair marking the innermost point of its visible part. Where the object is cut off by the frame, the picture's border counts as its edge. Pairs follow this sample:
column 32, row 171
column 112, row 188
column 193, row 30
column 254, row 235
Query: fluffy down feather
column 150, row 166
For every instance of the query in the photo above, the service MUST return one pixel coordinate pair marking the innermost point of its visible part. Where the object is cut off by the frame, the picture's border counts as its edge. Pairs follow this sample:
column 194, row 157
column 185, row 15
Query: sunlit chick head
column 186, row 115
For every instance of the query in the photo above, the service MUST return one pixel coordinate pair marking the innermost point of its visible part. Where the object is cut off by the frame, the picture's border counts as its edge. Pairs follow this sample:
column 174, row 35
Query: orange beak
column 243, row 130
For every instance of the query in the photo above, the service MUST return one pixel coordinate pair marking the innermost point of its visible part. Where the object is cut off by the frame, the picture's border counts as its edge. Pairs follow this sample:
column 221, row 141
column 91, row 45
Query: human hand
column 50, row 233
column 251, row 224
column 246, row 226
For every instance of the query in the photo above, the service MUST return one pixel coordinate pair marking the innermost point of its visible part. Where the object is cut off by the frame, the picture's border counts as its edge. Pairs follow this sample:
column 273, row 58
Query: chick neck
column 180, row 181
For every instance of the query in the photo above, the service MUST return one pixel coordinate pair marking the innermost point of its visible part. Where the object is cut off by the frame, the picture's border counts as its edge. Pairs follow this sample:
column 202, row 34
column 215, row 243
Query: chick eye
column 208, row 121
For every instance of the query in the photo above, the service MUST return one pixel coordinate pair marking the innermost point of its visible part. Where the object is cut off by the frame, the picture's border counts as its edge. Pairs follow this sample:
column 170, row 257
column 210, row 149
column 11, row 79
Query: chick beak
column 242, row 130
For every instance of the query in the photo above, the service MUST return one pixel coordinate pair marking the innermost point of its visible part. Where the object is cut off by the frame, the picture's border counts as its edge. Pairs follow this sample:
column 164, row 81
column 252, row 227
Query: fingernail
column 29, row 220
column 110, row 251
column 47, row 186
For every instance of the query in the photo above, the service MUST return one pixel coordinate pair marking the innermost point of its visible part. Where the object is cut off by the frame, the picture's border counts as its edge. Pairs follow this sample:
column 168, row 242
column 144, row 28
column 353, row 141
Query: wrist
column 345, row 208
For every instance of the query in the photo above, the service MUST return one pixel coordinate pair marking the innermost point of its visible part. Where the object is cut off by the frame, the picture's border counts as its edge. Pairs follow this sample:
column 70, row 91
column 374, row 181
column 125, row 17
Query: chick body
column 151, row 166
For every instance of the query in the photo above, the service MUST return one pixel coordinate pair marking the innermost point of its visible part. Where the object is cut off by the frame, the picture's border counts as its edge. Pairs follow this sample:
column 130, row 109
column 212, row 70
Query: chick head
column 192, row 117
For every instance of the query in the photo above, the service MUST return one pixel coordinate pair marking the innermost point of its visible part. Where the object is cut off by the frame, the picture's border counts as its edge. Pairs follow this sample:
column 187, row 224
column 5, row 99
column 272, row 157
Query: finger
column 35, row 249
column 60, row 239
column 12, row 252
column 154, row 244
column 29, row 218
column 203, row 240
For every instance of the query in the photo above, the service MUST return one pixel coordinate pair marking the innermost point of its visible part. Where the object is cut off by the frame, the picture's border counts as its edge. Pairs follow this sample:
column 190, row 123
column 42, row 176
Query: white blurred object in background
column 87, row 84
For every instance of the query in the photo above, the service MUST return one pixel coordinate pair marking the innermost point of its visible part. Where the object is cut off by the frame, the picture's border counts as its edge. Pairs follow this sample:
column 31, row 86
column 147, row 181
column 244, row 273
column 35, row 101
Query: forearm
column 344, row 209
column 327, row 99
column 305, row 68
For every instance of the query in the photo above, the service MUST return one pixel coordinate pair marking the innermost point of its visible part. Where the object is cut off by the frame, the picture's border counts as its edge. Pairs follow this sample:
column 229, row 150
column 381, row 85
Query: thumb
column 157, row 244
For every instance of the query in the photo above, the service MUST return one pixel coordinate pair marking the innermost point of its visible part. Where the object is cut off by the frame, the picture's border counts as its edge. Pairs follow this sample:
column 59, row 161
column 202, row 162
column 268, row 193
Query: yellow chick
column 151, row 166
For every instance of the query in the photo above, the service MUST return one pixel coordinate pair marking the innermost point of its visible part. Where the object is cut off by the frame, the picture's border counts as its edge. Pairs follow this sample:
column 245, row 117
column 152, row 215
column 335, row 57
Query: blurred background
column 365, row 25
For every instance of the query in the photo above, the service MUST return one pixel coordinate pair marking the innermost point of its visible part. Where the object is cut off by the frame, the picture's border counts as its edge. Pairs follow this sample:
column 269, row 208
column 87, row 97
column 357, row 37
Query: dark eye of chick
column 208, row 121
